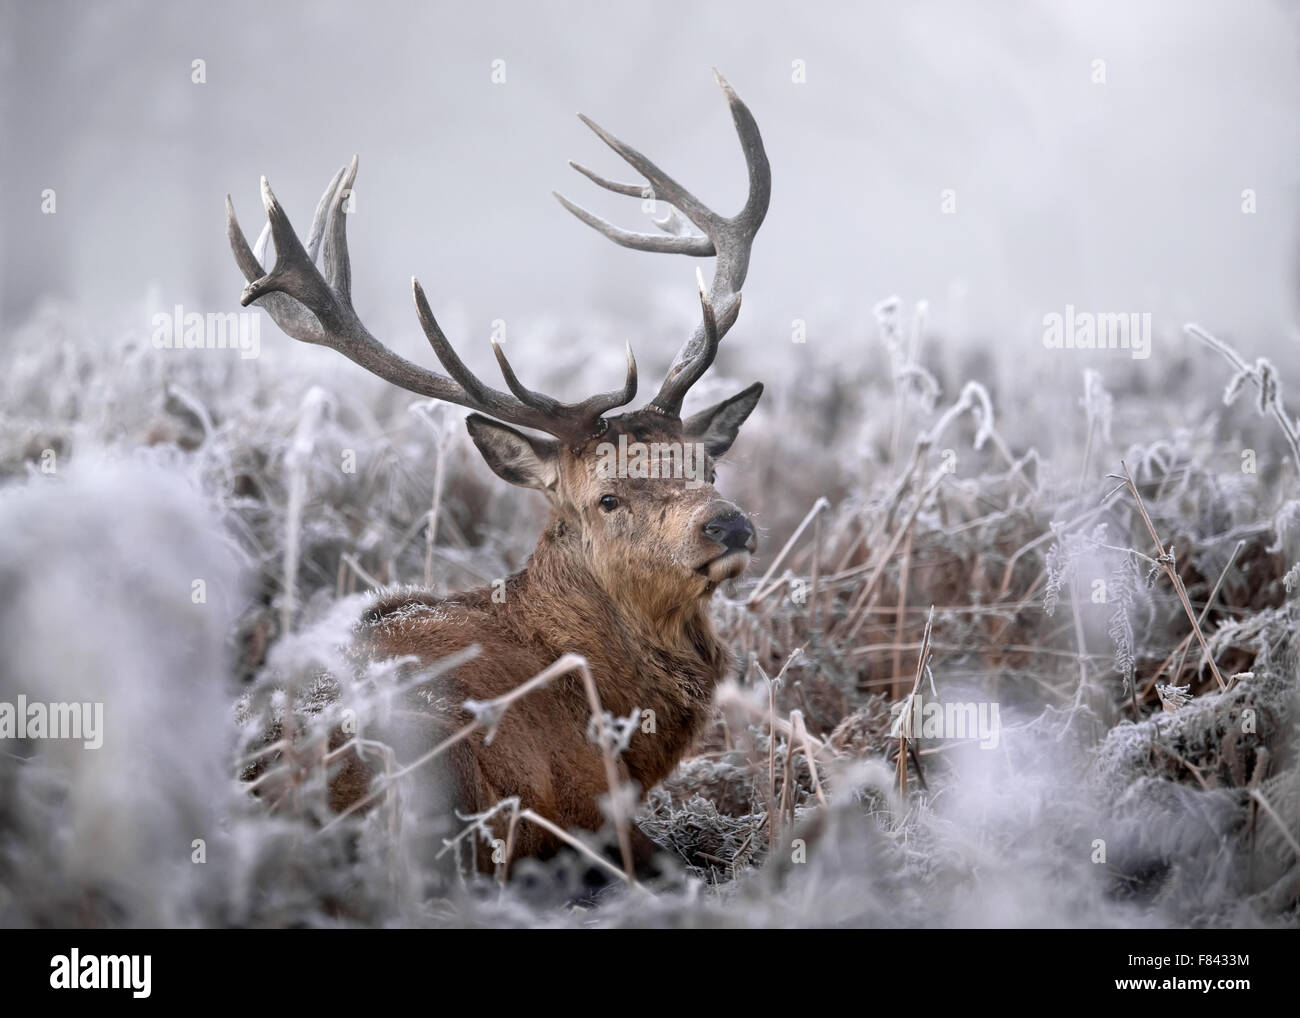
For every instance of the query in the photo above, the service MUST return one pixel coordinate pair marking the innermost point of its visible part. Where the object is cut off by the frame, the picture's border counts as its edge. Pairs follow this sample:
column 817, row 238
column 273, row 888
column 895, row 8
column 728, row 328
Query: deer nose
column 732, row 530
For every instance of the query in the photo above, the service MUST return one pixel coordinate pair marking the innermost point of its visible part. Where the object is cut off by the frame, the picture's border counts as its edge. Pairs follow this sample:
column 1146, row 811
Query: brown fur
column 625, row 584
column 624, row 589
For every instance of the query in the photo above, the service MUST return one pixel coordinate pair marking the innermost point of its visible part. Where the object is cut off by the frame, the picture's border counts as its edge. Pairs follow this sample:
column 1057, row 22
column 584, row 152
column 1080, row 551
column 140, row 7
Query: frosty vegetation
column 182, row 539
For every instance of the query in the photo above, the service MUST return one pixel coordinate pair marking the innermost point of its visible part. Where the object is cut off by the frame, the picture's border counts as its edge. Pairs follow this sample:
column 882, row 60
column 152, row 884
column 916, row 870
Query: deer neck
column 563, row 601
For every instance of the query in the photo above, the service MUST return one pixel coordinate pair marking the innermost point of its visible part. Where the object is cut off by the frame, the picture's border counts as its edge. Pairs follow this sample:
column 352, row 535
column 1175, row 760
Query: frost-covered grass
column 199, row 551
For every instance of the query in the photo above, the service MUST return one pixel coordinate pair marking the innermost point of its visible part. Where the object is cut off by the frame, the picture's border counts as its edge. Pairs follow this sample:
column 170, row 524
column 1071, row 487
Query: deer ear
column 716, row 427
column 514, row 456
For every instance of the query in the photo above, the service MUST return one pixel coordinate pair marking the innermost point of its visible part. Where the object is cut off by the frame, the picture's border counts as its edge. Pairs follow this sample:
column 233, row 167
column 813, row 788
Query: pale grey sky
column 1122, row 196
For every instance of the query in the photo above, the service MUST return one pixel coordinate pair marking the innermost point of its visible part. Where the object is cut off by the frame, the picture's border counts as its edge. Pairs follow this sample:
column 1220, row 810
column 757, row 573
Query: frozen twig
column 1166, row 560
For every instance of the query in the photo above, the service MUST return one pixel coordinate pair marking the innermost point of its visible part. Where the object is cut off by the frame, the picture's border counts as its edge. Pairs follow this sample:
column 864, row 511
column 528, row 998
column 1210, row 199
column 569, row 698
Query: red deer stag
column 624, row 571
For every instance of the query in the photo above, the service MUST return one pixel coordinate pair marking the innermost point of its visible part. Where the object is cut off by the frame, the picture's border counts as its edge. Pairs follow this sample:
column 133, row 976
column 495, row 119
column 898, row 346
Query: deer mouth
column 726, row 566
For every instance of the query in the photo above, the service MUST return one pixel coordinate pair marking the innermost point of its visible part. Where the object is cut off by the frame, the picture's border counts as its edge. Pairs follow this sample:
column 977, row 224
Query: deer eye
column 609, row 503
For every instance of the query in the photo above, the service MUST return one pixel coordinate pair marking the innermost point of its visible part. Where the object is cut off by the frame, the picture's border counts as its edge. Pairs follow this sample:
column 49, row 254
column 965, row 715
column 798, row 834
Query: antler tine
column 324, row 206
column 334, row 253
column 302, row 303
column 286, row 311
column 537, row 400
column 631, row 190
column 567, row 421
column 317, row 308
column 602, row 403
column 752, row 215
column 590, row 409
column 663, row 187
column 673, row 391
column 482, row 395
column 730, row 238
column 687, row 244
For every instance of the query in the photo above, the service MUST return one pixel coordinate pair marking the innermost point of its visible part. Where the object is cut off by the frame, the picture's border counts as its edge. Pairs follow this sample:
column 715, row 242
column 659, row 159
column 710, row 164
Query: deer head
column 633, row 492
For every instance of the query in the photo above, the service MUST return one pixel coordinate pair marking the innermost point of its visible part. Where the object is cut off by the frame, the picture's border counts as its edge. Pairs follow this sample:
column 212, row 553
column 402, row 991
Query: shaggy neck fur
column 662, row 658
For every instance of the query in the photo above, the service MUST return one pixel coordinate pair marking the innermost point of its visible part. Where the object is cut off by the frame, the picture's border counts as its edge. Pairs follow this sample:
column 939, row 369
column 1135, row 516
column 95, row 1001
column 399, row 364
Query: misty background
column 1001, row 161
column 1122, row 196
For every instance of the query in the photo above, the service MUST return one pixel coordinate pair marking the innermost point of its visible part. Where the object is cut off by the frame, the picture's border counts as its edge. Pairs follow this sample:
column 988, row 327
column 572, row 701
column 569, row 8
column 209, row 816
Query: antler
column 729, row 238
column 316, row 308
